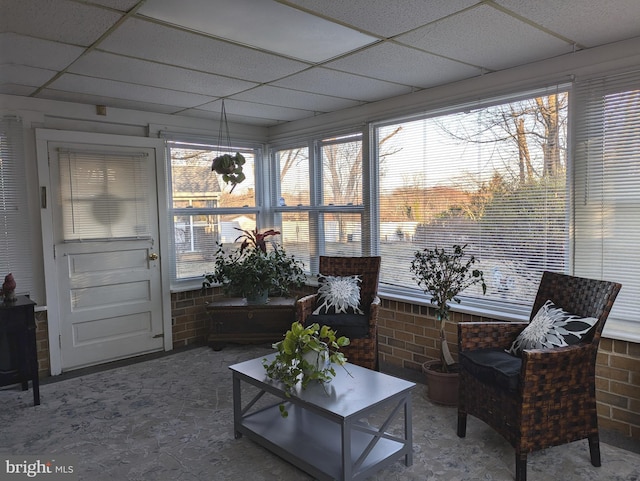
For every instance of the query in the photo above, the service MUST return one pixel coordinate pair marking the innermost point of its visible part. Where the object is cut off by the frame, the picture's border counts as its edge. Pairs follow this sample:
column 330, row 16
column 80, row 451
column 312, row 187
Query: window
column 204, row 210
column 490, row 176
column 607, row 190
column 318, row 198
column 15, row 247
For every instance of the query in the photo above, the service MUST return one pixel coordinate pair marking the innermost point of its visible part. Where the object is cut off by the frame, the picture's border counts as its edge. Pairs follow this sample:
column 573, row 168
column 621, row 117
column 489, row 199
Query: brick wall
column 407, row 338
column 188, row 316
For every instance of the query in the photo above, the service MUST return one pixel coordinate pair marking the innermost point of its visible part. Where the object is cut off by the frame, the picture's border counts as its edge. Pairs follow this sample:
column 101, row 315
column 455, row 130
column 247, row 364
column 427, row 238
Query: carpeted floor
column 170, row 418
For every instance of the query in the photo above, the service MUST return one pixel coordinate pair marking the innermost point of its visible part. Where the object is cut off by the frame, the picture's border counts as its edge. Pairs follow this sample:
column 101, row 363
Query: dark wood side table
column 233, row 320
column 18, row 353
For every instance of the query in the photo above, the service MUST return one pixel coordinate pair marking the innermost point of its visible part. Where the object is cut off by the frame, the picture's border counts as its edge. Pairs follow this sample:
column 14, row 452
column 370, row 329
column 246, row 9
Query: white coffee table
column 326, row 433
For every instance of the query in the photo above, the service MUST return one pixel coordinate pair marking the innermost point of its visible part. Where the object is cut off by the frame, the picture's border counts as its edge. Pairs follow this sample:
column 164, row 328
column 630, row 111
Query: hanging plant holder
column 228, row 165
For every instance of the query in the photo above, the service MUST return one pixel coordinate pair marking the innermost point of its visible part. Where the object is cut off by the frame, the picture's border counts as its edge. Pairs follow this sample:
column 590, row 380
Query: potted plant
column 306, row 354
column 444, row 275
column 230, row 167
column 255, row 270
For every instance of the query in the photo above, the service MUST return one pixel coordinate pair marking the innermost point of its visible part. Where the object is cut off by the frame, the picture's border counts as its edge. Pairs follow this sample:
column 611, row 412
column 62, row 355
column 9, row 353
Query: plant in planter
column 230, row 167
column 306, row 354
column 255, row 271
column 443, row 275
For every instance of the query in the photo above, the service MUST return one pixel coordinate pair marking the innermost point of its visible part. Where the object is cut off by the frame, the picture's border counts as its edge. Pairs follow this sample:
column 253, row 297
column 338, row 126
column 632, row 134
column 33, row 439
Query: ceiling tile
column 115, row 67
column 13, row 89
column 185, row 49
column 21, row 50
column 403, row 65
column 386, row 18
column 21, row 74
column 587, row 22
column 268, row 26
column 122, row 5
column 340, row 84
column 207, row 114
column 122, row 90
column 250, row 109
column 59, row 20
column 486, row 37
column 52, row 94
column 291, row 98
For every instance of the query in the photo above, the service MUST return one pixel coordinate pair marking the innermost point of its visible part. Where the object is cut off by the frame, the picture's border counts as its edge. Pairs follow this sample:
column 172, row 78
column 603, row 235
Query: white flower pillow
column 552, row 327
column 338, row 295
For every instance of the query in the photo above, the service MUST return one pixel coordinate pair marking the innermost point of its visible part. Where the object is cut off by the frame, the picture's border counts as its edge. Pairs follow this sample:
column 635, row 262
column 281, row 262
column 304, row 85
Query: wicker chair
column 553, row 400
column 362, row 351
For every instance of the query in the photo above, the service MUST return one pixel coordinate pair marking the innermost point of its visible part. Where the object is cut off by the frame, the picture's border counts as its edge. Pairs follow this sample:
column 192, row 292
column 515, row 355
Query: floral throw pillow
column 338, row 295
column 552, row 327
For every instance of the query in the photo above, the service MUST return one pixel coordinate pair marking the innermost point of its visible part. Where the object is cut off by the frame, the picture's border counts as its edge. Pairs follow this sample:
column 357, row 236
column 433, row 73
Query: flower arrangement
column 443, row 275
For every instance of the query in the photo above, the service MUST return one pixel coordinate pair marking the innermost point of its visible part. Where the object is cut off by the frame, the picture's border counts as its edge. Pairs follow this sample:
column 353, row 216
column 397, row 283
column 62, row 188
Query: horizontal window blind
column 15, row 238
column 490, row 177
column 607, row 185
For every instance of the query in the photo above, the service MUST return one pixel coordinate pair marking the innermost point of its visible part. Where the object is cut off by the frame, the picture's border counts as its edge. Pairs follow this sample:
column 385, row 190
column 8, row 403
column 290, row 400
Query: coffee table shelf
column 327, row 433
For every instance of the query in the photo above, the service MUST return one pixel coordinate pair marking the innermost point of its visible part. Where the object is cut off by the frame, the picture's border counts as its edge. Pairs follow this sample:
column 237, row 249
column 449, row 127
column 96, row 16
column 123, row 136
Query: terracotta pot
column 442, row 387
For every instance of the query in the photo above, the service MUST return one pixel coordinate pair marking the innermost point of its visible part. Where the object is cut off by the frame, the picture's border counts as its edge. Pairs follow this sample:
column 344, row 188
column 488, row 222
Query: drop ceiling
column 280, row 61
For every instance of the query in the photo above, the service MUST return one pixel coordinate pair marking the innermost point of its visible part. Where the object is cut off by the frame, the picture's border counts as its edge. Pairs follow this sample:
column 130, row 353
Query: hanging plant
column 229, row 166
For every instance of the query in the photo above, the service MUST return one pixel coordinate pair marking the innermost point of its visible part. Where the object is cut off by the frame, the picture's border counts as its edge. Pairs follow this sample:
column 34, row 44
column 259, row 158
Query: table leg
column 347, row 465
column 237, row 406
column 408, row 430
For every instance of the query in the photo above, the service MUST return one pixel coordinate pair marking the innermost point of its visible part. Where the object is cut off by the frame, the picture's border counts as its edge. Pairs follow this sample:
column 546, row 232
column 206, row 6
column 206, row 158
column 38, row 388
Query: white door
column 105, row 235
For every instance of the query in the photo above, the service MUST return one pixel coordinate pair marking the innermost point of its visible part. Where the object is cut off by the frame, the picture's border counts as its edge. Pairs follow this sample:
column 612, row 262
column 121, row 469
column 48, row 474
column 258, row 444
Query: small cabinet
column 233, row 320
column 18, row 353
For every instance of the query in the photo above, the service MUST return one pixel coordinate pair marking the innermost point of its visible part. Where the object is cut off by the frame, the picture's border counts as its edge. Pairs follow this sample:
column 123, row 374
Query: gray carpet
column 170, row 418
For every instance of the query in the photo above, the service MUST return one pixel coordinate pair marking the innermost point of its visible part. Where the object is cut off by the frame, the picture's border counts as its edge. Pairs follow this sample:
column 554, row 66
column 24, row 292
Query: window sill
column 614, row 329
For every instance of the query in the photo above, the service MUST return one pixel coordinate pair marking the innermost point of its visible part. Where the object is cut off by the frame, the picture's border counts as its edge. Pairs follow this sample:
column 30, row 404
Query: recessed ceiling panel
column 291, row 98
column 265, row 25
column 167, row 45
column 486, row 37
column 587, row 22
column 22, row 50
column 59, row 20
column 385, row 18
column 340, row 84
column 122, row 90
column 115, row 67
column 403, row 65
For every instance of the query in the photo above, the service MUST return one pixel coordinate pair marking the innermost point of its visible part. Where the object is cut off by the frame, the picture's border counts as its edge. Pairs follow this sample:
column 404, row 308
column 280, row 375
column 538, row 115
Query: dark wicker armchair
column 548, row 398
column 362, row 351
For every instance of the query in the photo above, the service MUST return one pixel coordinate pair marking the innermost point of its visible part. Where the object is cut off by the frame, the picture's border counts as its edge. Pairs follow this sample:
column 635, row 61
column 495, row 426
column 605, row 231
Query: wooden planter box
column 233, row 320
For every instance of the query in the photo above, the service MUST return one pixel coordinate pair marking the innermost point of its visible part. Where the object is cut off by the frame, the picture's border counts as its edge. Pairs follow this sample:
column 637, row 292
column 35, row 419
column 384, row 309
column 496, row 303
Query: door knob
column 153, row 256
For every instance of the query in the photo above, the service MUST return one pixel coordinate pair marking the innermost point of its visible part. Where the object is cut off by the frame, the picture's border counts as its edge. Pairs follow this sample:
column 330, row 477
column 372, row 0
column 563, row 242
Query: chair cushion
column 354, row 326
column 552, row 327
column 338, row 295
column 493, row 366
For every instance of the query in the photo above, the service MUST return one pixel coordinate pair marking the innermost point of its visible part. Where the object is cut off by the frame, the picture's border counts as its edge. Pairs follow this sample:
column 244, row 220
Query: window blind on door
column 104, row 195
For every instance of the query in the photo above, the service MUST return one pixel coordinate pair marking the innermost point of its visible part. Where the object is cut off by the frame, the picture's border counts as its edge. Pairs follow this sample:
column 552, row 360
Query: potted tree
column 443, row 275
column 306, row 354
column 256, row 269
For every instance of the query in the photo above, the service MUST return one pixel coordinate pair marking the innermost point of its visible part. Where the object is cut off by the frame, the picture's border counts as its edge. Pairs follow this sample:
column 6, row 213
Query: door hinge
column 158, row 335
column 60, row 341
